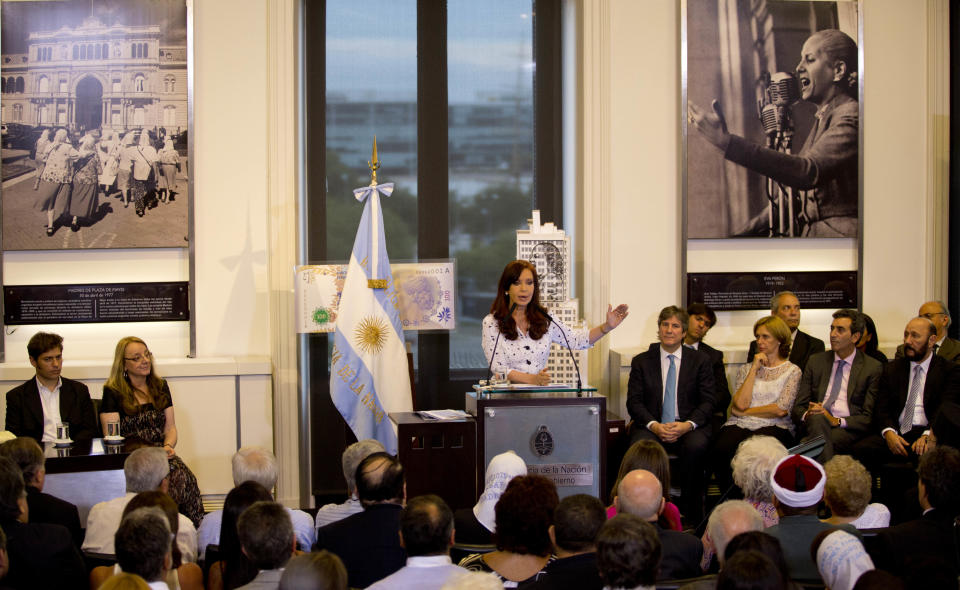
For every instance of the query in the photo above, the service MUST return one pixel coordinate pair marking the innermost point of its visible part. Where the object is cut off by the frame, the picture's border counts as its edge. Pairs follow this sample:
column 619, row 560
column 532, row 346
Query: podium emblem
column 542, row 441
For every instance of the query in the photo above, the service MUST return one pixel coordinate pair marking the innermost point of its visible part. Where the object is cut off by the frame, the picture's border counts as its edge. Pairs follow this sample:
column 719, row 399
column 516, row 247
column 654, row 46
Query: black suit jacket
column 681, row 554
column 579, row 572
column 942, row 383
column 368, row 543
column 930, row 537
column 25, row 414
column 695, row 388
column 721, row 387
column 48, row 509
column 804, row 345
column 862, row 387
column 42, row 556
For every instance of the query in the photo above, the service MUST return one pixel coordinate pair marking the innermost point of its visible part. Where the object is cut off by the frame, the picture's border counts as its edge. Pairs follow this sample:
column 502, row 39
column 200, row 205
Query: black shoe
column 75, row 226
column 49, row 231
column 139, row 212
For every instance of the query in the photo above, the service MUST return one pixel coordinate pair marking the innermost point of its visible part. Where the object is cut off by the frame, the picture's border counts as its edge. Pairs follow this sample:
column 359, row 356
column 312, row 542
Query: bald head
column 938, row 313
column 640, row 494
column 728, row 520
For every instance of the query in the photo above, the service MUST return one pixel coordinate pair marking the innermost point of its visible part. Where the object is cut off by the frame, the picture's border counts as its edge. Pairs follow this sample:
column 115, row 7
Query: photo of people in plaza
column 94, row 111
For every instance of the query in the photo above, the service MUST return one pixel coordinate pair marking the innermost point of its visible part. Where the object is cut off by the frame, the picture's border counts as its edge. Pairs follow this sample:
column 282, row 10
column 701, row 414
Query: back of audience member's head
column 27, row 454
column 473, row 581
column 628, row 552
column 649, row 455
column 255, row 464
column 750, row 570
column 878, row 580
column 798, row 483
column 840, row 558
column 353, row 455
column 320, row 570
column 143, row 543
column 576, row 522
column 939, row 474
column 847, row 491
column 752, row 465
column 380, row 479
column 728, row 520
column 758, row 541
column 237, row 568
column 164, row 502
column 426, row 526
column 125, row 581
column 640, row 494
column 524, row 514
column 4, row 556
column 145, row 469
column 266, row 535
column 12, row 490
column 946, row 426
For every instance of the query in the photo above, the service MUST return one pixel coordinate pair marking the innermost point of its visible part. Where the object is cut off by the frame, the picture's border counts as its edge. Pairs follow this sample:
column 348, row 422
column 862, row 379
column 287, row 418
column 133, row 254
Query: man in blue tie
column 839, row 389
column 670, row 397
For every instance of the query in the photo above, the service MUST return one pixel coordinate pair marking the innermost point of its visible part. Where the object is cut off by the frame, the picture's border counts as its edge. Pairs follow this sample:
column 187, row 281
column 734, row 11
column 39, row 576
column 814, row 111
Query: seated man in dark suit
column 929, row 541
column 786, row 306
column 671, row 398
column 369, row 542
column 576, row 522
column 27, row 454
column 702, row 318
column 944, row 346
column 35, row 407
column 838, row 389
column 628, row 553
column 641, row 495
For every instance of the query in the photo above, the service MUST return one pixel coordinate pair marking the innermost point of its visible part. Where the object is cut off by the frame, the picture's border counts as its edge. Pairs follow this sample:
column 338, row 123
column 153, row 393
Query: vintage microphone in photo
column 495, row 343
column 780, row 93
column 576, row 366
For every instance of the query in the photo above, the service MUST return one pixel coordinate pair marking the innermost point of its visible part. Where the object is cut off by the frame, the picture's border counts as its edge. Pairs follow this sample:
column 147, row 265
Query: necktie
column 835, row 390
column 906, row 418
column 670, row 394
column 936, row 347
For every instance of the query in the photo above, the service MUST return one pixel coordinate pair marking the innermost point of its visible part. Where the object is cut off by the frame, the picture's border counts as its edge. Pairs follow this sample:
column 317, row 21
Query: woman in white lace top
column 765, row 392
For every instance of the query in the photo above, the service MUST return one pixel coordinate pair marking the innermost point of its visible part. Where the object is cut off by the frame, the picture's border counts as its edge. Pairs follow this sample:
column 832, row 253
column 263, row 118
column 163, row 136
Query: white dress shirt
column 919, row 416
column 50, row 402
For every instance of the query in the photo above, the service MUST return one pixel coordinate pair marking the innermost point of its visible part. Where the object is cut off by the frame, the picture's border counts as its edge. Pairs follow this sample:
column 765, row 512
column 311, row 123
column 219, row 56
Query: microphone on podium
column 576, row 367
column 495, row 343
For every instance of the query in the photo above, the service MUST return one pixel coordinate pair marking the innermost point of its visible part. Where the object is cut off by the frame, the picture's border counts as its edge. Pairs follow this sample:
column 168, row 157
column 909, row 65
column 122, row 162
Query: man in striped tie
column 671, row 397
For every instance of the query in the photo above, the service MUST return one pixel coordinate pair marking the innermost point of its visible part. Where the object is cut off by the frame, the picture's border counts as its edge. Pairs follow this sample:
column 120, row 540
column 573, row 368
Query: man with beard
column 944, row 346
column 786, row 306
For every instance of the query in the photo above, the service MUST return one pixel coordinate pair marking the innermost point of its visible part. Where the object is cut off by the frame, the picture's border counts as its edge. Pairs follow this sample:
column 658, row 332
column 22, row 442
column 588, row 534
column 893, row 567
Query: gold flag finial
column 374, row 164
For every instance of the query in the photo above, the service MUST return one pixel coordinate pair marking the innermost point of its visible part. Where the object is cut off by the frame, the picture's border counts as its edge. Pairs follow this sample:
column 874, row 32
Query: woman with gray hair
column 752, row 464
column 53, row 190
column 847, row 495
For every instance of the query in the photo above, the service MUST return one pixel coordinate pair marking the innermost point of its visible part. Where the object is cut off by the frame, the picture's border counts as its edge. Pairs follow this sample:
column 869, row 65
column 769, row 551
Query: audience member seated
column 35, row 407
column 139, row 399
column 475, row 525
column 879, row 580
column 798, row 484
column 145, row 470
column 628, row 553
column 576, row 522
column 727, row 520
column 762, row 542
column 41, row 555
column 351, row 457
column 764, row 395
column 841, row 559
column 640, row 495
column 671, row 398
column 869, row 343
column 946, row 426
column 259, row 465
column 368, row 542
column 4, row 559
column 786, row 306
column 144, row 546
column 320, row 570
column 426, row 534
column 839, row 389
column 234, row 568
column 752, row 467
column 27, row 454
column 943, row 345
column 702, row 318
column 186, row 576
column 649, row 455
column 125, row 582
column 847, row 495
column 523, row 518
column 928, row 542
column 750, row 570
column 268, row 540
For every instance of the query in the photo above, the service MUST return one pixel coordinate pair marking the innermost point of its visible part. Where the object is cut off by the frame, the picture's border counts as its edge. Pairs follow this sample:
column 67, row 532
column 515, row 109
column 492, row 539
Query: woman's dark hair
column 501, row 304
column 750, row 570
column 164, row 502
column 649, row 455
column 873, row 344
column 761, row 542
column 235, row 567
column 838, row 46
column 524, row 513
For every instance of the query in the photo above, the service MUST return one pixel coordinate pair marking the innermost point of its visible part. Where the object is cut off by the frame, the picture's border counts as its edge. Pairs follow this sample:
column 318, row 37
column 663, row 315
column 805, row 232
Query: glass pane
column 491, row 69
column 371, row 74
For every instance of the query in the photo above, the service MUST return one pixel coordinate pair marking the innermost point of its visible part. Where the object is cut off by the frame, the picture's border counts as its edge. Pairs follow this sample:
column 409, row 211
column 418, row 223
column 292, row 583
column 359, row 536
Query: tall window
column 44, row 84
column 138, row 83
column 169, row 116
column 18, row 112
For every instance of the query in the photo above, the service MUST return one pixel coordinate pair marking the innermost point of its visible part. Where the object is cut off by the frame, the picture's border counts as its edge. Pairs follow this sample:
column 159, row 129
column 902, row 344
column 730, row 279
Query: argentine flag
column 368, row 368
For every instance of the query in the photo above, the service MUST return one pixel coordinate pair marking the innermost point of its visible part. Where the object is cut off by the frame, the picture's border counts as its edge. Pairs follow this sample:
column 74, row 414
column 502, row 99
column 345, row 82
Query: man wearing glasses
column 939, row 314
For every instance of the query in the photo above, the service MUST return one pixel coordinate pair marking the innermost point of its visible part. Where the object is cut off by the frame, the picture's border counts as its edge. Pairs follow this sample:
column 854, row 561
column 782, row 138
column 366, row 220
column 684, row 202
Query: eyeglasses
column 136, row 359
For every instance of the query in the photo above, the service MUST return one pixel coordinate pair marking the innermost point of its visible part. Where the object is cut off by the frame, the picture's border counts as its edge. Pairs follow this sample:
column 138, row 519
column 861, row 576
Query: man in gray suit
column 838, row 389
column 939, row 314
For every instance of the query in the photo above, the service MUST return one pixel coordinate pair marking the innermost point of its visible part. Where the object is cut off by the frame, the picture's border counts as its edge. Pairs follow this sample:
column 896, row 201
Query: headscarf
column 145, row 139
column 500, row 471
column 167, row 144
column 841, row 560
column 127, row 139
column 87, row 145
column 60, row 136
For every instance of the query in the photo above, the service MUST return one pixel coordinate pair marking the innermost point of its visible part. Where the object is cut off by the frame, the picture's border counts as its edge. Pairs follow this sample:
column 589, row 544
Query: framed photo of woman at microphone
column 772, row 106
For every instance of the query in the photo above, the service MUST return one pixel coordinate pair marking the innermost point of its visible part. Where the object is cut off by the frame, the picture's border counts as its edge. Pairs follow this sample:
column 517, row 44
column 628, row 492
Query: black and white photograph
column 772, row 119
column 95, row 112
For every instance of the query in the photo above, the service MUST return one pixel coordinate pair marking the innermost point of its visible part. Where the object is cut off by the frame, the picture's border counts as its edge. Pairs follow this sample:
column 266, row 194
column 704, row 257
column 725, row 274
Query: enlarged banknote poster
column 425, row 295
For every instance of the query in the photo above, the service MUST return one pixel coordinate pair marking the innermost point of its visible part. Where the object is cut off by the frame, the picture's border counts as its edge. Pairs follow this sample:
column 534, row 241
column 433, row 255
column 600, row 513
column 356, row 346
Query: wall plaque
column 97, row 303
column 732, row 291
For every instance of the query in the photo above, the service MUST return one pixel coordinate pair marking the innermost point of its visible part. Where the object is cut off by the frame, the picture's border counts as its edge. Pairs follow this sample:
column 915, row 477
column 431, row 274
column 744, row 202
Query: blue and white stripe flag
column 368, row 369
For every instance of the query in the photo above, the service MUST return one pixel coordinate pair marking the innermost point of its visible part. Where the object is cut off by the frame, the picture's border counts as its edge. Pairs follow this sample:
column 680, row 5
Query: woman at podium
column 518, row 331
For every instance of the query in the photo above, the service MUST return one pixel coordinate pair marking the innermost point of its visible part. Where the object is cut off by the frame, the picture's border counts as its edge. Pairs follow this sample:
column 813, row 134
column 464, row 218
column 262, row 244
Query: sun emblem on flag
column 371, row 334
